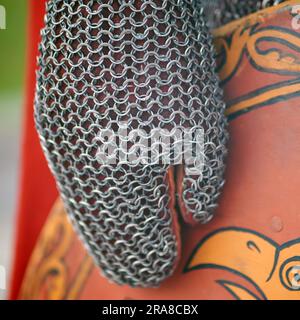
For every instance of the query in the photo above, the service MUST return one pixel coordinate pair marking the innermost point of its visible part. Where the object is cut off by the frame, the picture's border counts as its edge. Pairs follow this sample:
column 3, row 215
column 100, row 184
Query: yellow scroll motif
column 271, row 61
column 47, row 276
column 241, row 41
column 273, row 271
column 275, row 60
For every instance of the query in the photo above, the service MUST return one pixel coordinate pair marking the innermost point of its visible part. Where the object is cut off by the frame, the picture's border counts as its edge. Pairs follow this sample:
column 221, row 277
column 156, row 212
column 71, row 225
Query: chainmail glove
column 112, row 76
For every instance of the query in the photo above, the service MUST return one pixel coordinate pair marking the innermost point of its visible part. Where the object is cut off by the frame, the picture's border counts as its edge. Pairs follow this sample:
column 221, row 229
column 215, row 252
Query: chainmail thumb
column 112, row 75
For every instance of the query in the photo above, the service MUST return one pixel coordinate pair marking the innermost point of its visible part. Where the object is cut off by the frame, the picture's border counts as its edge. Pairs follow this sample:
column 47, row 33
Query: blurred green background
column 12, row 41
column 12, row 65
column 12, row 57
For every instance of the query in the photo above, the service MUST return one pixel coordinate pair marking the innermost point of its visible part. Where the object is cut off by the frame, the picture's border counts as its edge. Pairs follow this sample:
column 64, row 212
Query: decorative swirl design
column 262, row 50
column 270, row 271
column 290, row 273
column 48, row 275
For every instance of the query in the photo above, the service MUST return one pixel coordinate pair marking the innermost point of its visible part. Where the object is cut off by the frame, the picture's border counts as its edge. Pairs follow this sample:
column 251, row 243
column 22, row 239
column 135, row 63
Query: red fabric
column 37, row 191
